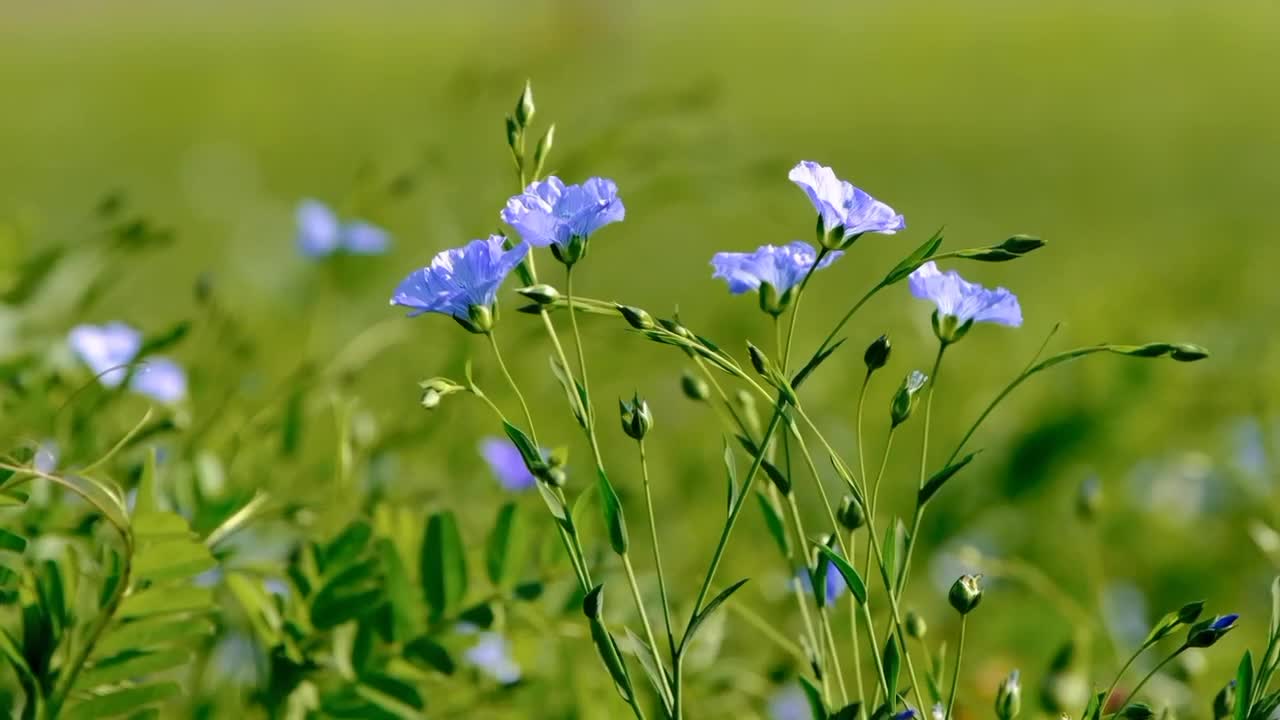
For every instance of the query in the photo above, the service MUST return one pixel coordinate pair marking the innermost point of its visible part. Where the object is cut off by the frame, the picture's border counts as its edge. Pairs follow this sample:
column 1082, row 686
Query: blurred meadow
column 1141, row 140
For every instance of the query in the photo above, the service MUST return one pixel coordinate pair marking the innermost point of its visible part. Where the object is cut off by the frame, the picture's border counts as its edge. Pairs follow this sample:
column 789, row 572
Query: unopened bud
column 524, row 106
column 435, row 389
column 694, row 387
column 636, row 418
column 513, row 133
column 966, row 593
column 877, row 354
column 543, row 148
column 1207, row 632
column 916, row 626
column 1009, row 697
column 758, row 360
column 905, row 400
column 1137, row 711
column 1224, row 703
column 637, row 318
column 593, row 603
column 541, row 294
column 851, row 514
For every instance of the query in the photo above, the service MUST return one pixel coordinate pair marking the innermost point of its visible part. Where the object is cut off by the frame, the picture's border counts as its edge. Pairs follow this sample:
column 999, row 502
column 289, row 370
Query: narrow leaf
column 915, row 259
column 614, row 519
column 428, row 653
column 773, row 521
column 817, row 359
column 608, row 651
column 892, row 665
column 506, row 545
column 166, row 600
column 817, row 707
column 652, row 668
column 701, row 617
column 1244, row 686
column 124, row 701
column 939, row 478
column 847, row 571
column 444, row 565
column 731, row 472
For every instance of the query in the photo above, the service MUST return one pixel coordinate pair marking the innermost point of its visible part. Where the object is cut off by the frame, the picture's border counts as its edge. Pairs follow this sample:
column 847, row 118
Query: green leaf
column 1244, row 686
column 151, row 633
column 1275, row 607
column 652, row 667
column 391, row 694
column 165, row 340
column 850, row 575
column 11, row 542
column 939, row 478
column 915, row 259
column 780, row 481
column 444, row 565
column 811, row 693
column 159, row 562
column 572, row 391
column 731, row 472
column 614, row 519
column 156, row 526
column 773, row 521
column 1094, row 709
column 608, row 650
column 506, row 545
column 398, row 590
column 132, row 665
column 848, row 712
column 817, row 359
column 347, row 547
column 165, row 600
column 145, row 500
column 122, row 701
column 428, row 653
column 555, row 505
column 528, row 449
column 892, row 666
column 711, row 607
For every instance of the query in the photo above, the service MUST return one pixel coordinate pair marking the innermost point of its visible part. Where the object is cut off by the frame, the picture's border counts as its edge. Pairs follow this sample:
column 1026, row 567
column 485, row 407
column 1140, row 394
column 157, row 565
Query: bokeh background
column 1139, row 139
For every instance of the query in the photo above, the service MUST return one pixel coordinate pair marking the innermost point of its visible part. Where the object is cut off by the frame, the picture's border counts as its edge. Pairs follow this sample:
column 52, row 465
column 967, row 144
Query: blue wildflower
column 1207, row 632
column 790, row 703
column 110, row 349
column 462, row 282
column 961, row 303
column 550, row 213
column 1224, row 622
column 321, row 233
column 507, row 464
column 845, row 212
column 771, row 270
column 834, row 584
column 908, row 714
column 492, row 655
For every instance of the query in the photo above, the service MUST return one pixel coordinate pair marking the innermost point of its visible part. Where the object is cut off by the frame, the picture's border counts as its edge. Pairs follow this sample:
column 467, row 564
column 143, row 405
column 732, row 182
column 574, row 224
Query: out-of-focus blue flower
column 789, row 703
column 507, row 464
column 460, row 278
column 835, row 585
column 109, row 349
column 961, row 303
column 549, row 212
column 160, row 379
column 321, row 233
column 106, row 349
column 782, row 268
column 908, row 714
column 846, row 211
column 1224, row 622
column 46, row 456
column 492, row 655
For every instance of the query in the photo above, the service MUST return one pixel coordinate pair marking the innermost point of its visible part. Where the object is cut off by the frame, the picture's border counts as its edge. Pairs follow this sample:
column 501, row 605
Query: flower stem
column 955, row 675
column 497, row 354
column 918, row 515
column 1141, row 683
column 657, row 552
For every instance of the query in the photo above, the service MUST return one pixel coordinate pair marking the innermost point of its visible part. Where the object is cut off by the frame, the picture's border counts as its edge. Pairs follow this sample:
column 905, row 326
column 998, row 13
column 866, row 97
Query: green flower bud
column 771, row 302
column 636, row 418
column 435, row 389
column 541, row 294
column 1224, row 703
column 593, row 603
column 513, row 133
column 758, row 360
column 877, row 354
column 916, row 626
column 948, row 328
column 524, row 106
column 966, row 593
column 694, row 387
column 1009, row 697
column 906, row 399
column 572, row 253
column 637, row 318
column 851, row 514
column 543, row 148
column 1207, row 632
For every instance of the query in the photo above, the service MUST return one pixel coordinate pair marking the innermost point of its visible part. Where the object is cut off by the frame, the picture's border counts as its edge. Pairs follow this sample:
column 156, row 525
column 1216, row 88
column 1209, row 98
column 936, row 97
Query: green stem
column 853, row 635
column 1106, row 698
column 824, row 615
column 955, row 675
column 657, row 552
column 795, row 308
column 502, row 365
column 814, row 640
column 918, row 515
column 1141, row 683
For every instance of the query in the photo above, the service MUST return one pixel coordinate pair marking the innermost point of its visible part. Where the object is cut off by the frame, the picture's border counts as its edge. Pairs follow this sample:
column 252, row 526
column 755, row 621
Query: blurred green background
column 1139, row 139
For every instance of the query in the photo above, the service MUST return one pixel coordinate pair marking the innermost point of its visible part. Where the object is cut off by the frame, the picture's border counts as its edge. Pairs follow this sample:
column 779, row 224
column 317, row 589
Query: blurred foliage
column 153, row 155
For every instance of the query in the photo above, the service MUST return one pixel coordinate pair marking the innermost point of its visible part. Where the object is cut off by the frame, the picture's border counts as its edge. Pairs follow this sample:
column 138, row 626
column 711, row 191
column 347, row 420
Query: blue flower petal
column 782, row 267
column 106, row 349
column 362, row 238
column 319, row 232
column 458, row 278
column 160, row 379
column 963, row 300
column 507, row 464
column 549, row 212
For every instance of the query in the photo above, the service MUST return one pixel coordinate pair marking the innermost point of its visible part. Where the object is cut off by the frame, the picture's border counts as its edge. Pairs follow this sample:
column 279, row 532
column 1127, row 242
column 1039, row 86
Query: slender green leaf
column 1244, row 687
column 391, row 694
column 915, row 259
column 773, row 521
column 159, row 562
column 710, row 608
column 156, row 526
column 608, row 650
column 731, row 473
column 398, row 588
column 817, row 359
column 506, row 545
column 847, row 571
column 444, row 565
column 940, row 478
column 892, row 661
column 652, row 667
column 164, row 600
column 614, row 519
column 817, row 707
column 151, row 633
column 132, row 665
column 117, row 703
column 426, row 652
column 347, row 547
column 528, row 449
column 11, row 542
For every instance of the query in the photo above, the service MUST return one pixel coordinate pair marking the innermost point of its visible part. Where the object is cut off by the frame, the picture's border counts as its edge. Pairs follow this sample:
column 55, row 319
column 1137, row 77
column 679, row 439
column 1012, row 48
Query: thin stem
column 955, row 675
column 766, row 628
column 644, row 617
column 814, row 640
column 795, row 307
column 657, row 552
column 835, row 655
column 1106, row 698
column 918, row 515
column 497, row 354
column 853, row 633
column 1159, row 666
column 862, row 397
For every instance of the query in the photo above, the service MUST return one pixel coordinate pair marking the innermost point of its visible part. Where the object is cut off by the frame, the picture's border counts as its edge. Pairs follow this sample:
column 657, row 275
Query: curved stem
column 795, row 307
column 918, row 515
column 1141, row 683
column 955, row 675
column 835, row 655
column 853, row 635
column 502, row 365
column 657, row 552
column 1106, row 698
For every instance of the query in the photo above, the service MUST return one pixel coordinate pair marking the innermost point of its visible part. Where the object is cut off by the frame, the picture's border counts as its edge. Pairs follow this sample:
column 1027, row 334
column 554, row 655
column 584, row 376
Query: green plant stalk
column 825, row 616
column 853, row 635
column 816, row 642
column 511, row 381
column 918, row 515
column 1142, row 683
column 657, row 551
column 955, row 675
column 1106, row 698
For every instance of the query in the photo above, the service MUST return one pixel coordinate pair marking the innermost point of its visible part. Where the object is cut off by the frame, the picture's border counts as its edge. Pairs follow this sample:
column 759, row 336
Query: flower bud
column 513, row 133
column 543, row 148
column 1009, row 697
column 636, row 418
column 572, row 252
column 541, row 294
column 851, row 514
column 771, row 301
column 758, row 360
column 1224, row 703
column 1089, row 498
column 435, row 389
column 877, row 354
column 524, row 106
column 1021, row 244
column 593, row 603
column 479, row 319
column 966, row 593
column 694, row 387
column 916, row 626
column 905, row 400
column 1137, row 711
column 637, row 318
column 554, row 476
column 1207, row 632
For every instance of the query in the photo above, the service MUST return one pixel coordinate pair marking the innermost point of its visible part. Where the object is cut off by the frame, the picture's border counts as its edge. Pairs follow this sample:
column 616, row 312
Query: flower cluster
column 111, row 352
column 321, row 233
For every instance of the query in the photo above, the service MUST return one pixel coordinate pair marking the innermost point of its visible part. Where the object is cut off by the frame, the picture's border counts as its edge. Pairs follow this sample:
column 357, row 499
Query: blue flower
column 321, row 234
column 835, row 585
column 961, row 303
column 109, row 351
column 789, row 703
column 772, row 270
column 550, row 213
column 846, row 212
column 462, row 282
column 492, row 655
column 1224, row 622
column 507, row 464
column 908, row 714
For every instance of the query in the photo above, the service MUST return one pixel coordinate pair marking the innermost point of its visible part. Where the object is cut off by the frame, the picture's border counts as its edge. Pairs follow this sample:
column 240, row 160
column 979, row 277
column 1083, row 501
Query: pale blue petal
column 319, row 232
column 106, row 349
column 507, row 464
column 160, row 379
column 362, row 238
column 492, row 655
